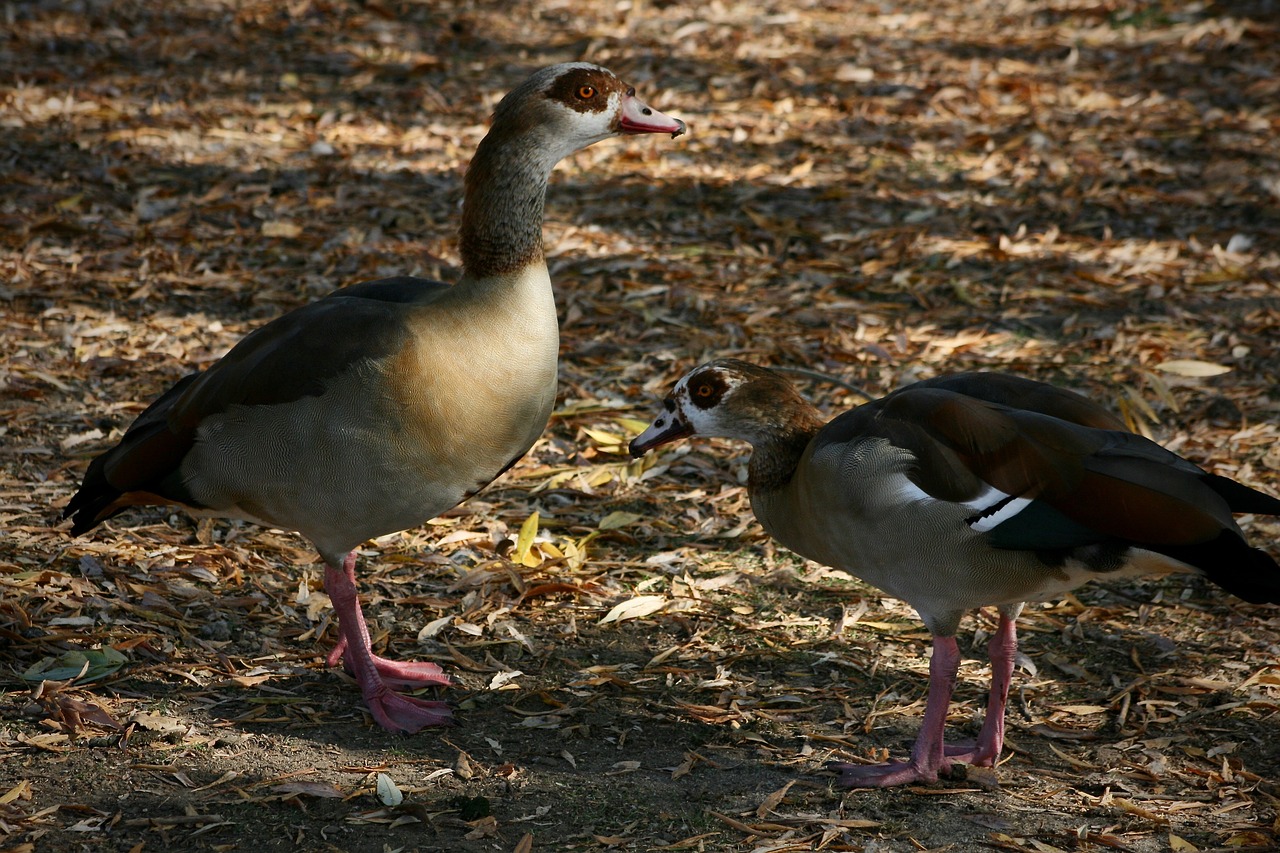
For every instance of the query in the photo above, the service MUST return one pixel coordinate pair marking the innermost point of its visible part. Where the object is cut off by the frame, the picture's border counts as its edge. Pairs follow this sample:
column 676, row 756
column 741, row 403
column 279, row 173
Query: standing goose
column 388, row 402
column 966, row 491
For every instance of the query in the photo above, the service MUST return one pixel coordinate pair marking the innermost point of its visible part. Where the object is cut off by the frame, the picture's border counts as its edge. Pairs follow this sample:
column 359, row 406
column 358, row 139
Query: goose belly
column 857, row 511
column 351, row 464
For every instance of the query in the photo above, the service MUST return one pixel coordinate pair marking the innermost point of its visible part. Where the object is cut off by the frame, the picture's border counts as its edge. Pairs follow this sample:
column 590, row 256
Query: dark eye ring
column 704, row 391
column 587, row 92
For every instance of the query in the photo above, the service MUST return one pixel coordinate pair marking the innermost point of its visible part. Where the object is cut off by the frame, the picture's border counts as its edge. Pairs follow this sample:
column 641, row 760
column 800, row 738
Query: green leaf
column 81, row 666
column 615, row 520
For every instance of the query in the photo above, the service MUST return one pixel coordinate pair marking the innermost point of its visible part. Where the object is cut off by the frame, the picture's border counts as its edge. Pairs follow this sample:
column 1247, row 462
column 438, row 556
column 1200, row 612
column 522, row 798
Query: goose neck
column 776, row 454
column 502, row 208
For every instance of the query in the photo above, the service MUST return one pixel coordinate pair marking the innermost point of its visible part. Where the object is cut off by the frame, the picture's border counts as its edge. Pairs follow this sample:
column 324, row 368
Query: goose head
column 575, row 104
column 727, row 398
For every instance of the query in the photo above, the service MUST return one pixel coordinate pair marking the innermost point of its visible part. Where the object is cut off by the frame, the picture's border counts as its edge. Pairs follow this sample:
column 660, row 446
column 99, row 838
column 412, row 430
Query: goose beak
column 668, row 427
column 638, row 117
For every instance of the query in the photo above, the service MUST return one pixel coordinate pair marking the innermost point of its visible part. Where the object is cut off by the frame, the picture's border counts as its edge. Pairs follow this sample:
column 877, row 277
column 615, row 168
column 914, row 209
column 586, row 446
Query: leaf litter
column 1083, row 194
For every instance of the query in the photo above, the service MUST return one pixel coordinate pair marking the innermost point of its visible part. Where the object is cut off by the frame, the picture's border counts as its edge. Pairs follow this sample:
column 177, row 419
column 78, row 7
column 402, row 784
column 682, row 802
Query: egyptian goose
column 388, row 402
column 966, row 491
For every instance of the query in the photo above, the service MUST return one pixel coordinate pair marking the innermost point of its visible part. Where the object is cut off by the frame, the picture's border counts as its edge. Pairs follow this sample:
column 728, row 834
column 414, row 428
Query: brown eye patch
column 584, row 90
column 707, row 389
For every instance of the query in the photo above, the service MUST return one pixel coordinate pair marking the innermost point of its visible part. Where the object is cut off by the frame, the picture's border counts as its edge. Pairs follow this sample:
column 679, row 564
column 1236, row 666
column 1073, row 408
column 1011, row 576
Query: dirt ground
column 1081, row 192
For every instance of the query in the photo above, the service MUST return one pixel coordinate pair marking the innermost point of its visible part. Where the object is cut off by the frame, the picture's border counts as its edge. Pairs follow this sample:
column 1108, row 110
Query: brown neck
column 774, row 457
column 502, row 210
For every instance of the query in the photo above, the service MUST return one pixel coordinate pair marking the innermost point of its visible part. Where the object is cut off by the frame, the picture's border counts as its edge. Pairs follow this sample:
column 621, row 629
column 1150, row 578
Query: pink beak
column 639, row 117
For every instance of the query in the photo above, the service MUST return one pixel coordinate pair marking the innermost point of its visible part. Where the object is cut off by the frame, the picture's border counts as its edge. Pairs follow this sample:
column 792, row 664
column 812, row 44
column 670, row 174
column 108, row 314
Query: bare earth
column 1085, row 193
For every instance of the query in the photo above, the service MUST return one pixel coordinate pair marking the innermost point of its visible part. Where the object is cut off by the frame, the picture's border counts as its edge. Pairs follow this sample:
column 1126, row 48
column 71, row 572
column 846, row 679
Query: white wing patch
column 997, row 513
column 990, row 509
column 985, row 501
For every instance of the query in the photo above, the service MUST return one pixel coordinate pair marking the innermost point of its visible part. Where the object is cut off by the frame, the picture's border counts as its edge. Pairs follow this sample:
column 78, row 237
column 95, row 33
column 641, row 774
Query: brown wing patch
column 1114, row 483
column 1027, row 395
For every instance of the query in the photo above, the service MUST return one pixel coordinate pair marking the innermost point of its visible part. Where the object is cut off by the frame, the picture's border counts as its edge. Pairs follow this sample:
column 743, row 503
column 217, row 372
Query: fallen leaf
column 618, row 519
column 78, row 666
column 1191, row 367
column 524, row 542
column 634, row 608
column 389, row 794
column 22, row 790
column 281, row 228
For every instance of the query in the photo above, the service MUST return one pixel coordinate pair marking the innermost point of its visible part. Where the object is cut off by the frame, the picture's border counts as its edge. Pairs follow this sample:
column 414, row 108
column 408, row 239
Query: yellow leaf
column 1181, row 845
column 22, row 789
column 634, row 608
column 631, row 425
column 524, row 542
column 606, row 439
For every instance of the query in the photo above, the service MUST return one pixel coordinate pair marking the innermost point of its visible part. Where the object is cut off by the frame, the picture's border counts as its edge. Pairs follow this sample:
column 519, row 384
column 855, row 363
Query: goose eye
column 586, row 93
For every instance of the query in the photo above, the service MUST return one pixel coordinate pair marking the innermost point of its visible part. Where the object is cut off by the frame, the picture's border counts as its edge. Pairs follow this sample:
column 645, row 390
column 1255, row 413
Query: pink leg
column 402, row 675
column 392, row 711
column 1003, row 649
column 927, row 756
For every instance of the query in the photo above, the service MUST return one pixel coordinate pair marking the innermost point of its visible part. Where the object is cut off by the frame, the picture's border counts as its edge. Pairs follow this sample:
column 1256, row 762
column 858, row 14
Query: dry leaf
column 389, row 794
column 1191, row 367
column 772, row 801
column 22, row 790
column 618, row 519
column 634, row 608
column 524, row 542
column 323, row 790
column 281, row 228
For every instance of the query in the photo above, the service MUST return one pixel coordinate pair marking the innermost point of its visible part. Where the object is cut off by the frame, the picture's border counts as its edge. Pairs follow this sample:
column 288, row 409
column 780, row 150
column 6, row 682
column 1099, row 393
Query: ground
column 1084, row 193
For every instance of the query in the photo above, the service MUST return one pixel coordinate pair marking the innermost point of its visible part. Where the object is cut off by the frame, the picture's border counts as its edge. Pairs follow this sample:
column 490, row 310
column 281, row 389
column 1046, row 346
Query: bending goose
column 388, row 402
column 967, row 491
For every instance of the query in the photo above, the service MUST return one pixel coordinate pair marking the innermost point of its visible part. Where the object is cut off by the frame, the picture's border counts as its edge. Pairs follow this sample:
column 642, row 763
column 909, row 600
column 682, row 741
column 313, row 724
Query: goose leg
column 401, row 675
column 1003, row 649
column 928, row 757
column 392, row 711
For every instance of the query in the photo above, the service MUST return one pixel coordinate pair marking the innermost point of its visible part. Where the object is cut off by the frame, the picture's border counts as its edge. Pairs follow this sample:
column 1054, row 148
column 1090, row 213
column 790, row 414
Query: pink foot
column 928, row 759
column 376, row 675
column 396, row 712
column 883, row 775
column 931, row 756
column 399, row 675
